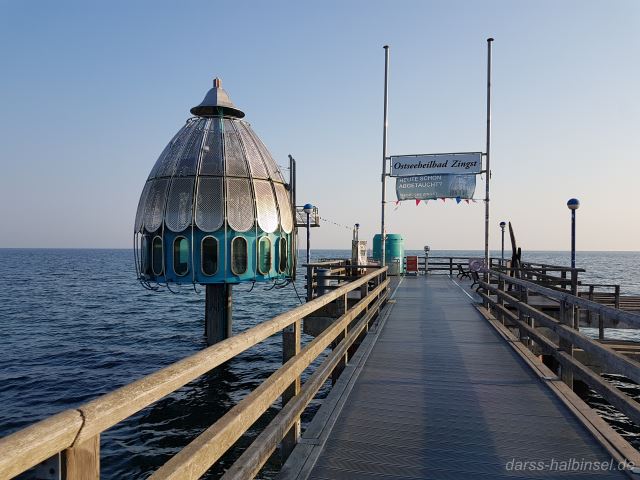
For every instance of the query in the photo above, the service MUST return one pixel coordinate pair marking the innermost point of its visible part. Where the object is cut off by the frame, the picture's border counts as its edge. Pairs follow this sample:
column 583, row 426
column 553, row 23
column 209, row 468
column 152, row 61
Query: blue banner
column 429, row 187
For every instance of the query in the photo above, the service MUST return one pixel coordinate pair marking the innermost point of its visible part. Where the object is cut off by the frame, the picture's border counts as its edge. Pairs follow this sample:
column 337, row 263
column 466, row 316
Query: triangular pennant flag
column 397, row 202
column 444, row 200
column 426, row 201
column 474, row 200
column 466, row 200
column 458, row 199
column 417, row 201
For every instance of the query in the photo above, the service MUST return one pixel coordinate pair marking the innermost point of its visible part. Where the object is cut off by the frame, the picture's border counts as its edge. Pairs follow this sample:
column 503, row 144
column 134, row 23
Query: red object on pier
column 412, row 264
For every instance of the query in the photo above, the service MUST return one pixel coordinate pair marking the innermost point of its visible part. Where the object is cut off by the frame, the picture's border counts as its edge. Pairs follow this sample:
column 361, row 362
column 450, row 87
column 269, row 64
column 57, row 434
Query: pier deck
column 438, row 393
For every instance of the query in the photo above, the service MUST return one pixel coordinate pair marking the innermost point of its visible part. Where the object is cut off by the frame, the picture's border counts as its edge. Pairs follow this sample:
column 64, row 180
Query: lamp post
column 308, row 209
column 502, row 225
column 573, row 204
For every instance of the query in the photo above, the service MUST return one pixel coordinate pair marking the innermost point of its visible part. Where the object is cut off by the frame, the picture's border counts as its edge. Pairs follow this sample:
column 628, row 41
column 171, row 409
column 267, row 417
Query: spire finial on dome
column 217, row 103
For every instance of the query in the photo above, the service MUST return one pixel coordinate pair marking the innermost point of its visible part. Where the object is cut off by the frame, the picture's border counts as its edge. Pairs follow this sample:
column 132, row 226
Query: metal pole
column 384, row 148
column 573, row 239
column 502, row 263
column 308, row 239
column 488, row 156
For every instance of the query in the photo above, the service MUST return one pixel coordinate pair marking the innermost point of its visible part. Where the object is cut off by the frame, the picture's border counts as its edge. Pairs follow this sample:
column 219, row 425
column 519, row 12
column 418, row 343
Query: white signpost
column 436, row 163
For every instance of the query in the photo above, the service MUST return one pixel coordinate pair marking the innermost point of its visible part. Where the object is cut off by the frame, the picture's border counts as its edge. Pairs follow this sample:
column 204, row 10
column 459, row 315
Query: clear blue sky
column 91, row 92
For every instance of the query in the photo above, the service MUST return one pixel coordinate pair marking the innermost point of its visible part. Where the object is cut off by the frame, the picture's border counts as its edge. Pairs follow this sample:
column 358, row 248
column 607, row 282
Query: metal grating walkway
column 443, row 396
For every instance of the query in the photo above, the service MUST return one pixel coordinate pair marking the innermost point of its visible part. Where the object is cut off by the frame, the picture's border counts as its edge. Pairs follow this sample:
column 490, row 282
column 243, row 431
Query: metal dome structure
column 215, row 208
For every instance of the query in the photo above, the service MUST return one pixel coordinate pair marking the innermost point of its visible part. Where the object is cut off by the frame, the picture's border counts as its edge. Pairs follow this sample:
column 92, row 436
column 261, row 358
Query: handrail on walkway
column 509, row 298
column 75, row 433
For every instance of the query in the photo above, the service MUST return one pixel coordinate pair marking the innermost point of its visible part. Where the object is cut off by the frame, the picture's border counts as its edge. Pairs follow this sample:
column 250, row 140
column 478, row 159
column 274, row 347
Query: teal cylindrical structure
column 394, row 253
column 377, row 247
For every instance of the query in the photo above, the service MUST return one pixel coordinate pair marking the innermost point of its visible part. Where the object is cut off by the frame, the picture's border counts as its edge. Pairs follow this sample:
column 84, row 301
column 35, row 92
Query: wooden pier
column 439, row 392
column 431, row 379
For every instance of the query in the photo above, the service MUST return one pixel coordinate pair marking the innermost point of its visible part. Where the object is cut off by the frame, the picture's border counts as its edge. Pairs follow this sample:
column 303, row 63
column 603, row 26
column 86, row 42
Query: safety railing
column 74, row 435
column 445, row 265
column 509, row 300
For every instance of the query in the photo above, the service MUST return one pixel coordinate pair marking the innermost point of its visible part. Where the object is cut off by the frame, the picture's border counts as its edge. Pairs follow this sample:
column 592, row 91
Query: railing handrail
column 562, row 296
column 559, row 268
column 526, row 318
column 25, row 448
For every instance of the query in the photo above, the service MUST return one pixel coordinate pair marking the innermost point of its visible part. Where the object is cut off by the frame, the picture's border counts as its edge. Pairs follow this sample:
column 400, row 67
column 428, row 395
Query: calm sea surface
column 76, row 324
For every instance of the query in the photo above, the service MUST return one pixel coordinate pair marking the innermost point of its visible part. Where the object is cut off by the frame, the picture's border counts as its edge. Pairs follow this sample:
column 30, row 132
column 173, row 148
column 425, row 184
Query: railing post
column 600, row 327
column 590, row 313
column 524, row 298
column 566, row 317
column 617, row 296
column 364, row 291
column 82, row 461
column 343, row 306
column 451, row 266
column 290, row 348
column 500, row 299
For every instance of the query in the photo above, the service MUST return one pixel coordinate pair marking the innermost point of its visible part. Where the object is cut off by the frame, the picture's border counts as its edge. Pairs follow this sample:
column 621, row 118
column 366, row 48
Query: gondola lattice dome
column 215, row 208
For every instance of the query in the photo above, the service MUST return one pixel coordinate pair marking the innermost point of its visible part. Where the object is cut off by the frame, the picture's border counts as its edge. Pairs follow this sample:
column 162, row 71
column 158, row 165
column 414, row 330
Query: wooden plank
column 28, row 447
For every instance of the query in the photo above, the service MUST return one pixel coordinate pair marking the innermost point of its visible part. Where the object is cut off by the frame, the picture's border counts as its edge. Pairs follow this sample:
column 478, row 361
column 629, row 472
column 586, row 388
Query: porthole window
column 181, row 256
column 209, row 255
column 157, row 265
column 264, row 255
column 238, row 256
column 145, row 264
column 282, row 264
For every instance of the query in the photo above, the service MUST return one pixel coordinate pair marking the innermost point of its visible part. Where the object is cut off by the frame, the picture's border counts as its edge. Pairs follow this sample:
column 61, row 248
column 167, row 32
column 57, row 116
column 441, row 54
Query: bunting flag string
column 326, row 220
column 425, row 202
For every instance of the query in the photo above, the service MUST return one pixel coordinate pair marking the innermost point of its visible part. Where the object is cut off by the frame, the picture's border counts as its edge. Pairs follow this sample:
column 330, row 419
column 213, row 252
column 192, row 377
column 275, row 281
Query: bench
column 462, row 273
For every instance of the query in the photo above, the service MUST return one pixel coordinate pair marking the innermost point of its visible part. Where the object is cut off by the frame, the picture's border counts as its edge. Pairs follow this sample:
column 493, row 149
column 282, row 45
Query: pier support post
column 218, row 308
column 290, row 348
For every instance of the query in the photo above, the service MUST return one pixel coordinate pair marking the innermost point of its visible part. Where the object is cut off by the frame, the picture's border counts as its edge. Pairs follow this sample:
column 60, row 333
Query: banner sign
column 428, row 187
column 436, row 163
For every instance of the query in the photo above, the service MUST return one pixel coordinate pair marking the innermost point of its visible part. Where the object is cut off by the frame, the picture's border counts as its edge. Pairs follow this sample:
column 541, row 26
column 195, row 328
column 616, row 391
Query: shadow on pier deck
column 437, row 392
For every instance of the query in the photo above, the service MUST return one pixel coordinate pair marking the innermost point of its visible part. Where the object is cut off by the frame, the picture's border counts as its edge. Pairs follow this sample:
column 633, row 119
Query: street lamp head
column 573, row 204
column 308, row 208
column 426, row 248
column 357, row 225
column 503, row 224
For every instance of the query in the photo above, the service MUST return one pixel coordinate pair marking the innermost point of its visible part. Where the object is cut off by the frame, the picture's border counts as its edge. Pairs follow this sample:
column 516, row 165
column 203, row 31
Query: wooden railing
column 332, row 273
column 445, row 265
column 508, row 299
column 75, row 434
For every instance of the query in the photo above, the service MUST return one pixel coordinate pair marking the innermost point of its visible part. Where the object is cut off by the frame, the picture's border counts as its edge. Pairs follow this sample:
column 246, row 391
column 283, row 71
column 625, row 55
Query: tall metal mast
column 488, row 156
column 384, row 149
